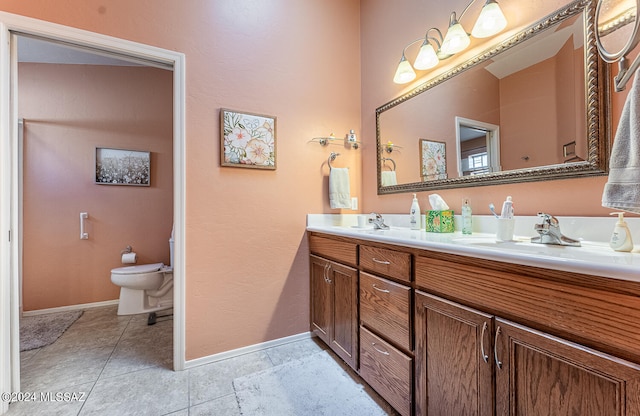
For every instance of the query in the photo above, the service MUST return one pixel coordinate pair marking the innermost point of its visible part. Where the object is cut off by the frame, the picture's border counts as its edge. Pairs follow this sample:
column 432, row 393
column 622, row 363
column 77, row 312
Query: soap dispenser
column 414, row 214
column 467, row 226
column 621, row 237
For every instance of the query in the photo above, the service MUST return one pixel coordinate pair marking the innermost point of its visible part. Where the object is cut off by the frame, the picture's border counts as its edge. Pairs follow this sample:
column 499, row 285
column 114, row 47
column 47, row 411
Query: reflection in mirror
column 478, row 147
column 506, row 115
column 616, row 27
column 617, row 33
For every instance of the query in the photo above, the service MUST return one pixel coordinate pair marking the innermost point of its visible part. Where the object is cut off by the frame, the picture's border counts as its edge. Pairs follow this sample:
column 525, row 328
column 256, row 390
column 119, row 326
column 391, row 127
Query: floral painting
column 122, row 167
column 248, row 140
column 433, row 163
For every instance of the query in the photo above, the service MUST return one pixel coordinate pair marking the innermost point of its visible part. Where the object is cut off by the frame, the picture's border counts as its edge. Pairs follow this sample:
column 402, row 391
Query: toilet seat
column 138, row 269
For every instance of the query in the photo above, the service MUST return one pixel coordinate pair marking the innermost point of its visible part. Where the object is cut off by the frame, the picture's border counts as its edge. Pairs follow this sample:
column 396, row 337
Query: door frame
column 10, row 188
column 493, row 142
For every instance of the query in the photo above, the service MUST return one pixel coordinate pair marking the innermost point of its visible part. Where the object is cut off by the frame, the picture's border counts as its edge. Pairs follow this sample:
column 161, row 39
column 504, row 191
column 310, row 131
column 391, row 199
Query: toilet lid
column 139, row 268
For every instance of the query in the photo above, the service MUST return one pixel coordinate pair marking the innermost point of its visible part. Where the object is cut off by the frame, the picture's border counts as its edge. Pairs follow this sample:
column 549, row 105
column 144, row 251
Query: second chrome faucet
column 549, row 232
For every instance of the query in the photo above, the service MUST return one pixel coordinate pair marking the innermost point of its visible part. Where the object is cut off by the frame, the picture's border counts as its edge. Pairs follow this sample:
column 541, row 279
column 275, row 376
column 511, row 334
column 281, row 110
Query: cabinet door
column 334, row 308
column 539, row 374
column 454, row 367
column 321, row 302
column 344, row 340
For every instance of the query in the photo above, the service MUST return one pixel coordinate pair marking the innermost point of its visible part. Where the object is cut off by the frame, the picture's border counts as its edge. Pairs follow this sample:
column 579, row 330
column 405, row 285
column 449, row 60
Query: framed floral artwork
column 247, row 140
column 433, row 162
column 122, row 167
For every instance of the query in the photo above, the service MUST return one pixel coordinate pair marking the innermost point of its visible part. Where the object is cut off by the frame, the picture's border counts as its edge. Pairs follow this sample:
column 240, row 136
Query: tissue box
column 439, row 221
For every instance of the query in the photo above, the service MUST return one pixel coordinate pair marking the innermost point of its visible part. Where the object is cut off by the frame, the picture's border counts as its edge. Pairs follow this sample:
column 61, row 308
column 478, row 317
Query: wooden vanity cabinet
column 470, row 362
column 334, row 294
column 441, row 334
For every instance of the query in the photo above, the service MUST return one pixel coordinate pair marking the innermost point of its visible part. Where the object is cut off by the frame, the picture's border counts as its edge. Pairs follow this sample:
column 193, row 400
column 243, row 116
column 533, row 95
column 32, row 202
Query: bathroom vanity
column 451, row 324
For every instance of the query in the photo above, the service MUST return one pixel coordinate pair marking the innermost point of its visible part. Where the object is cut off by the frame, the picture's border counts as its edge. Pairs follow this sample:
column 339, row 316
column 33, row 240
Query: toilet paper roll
column 129, row 258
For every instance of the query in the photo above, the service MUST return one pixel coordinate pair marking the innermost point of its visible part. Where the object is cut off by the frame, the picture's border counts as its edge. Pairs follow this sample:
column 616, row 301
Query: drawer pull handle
column 495, row 350
column 373, row 344
column 380, row 290
column 485, row 357
column 381, row 261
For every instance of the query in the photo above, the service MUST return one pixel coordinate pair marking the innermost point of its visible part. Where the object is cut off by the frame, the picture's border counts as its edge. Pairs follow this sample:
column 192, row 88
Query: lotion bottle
column 414, row 214
column 621, row 237
column 466, row 217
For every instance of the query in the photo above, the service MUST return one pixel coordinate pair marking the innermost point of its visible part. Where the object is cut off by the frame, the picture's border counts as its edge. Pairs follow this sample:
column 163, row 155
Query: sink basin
column 468, row 239
column 590, row 251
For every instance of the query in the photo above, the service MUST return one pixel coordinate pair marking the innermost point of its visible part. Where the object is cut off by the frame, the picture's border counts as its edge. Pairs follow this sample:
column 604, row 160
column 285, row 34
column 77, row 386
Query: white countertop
column 594, row 257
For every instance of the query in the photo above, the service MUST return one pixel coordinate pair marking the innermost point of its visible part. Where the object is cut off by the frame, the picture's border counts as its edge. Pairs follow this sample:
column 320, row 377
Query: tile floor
column 118, row 365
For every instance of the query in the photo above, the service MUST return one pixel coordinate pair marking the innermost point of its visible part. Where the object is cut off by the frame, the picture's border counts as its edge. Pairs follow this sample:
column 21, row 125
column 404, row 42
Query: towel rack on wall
column 332, row 157
column 384, row 159
column 349, row 140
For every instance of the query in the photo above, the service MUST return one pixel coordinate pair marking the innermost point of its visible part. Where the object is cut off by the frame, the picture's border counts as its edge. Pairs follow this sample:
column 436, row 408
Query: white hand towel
column 339, row 189
column 622, row 190
column 388, row 178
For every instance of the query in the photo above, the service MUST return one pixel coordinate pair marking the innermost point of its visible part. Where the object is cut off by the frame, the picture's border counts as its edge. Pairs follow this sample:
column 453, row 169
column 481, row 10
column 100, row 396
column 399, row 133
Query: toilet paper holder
column 127, row 250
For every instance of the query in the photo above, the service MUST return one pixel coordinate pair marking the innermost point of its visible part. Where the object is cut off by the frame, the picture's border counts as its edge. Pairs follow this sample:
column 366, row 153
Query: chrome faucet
column 550, row 233
column 378, row 222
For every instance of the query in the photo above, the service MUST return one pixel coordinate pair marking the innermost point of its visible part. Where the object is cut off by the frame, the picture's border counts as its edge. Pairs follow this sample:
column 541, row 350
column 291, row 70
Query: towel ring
column 384, row 159
column 332, row 157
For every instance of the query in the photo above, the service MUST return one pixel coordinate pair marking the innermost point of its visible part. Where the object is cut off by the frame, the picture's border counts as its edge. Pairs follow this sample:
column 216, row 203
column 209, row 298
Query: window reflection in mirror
column 478, row 147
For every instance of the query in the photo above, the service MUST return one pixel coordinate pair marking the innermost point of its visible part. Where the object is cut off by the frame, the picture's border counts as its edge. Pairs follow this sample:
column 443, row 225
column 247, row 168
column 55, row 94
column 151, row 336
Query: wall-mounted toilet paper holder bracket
column 83, row 234
column 127, row 250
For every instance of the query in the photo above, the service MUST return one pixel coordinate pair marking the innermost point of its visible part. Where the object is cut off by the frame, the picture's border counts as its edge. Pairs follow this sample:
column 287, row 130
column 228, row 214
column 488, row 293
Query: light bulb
column 404, row 73
column 427, row 57
column 456, row 39
column 490, row 21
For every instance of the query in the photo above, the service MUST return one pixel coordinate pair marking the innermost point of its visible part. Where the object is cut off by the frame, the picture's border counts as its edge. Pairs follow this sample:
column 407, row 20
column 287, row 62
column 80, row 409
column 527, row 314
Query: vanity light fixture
column 490, row 22
column 428, row 57
column 404, row 72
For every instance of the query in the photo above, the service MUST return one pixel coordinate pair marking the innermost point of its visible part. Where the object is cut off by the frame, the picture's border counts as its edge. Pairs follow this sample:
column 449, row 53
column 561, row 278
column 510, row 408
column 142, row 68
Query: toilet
column 145, row 288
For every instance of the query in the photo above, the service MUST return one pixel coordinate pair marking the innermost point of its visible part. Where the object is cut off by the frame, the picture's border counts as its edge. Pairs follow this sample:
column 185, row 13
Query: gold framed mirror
column 493, row 128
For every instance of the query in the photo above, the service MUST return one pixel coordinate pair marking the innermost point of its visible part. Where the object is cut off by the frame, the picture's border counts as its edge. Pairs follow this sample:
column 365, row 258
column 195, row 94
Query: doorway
column 477, row 147
column 12, row 26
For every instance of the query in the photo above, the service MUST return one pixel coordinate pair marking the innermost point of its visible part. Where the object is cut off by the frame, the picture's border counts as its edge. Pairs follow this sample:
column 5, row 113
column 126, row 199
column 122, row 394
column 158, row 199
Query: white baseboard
column 71, row 307
column 246, row 350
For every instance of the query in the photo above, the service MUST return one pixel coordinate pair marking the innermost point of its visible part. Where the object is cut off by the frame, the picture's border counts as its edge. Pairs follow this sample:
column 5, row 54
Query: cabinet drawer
column 385, row 307
column 387, row 370
column 392, row 263
column 341, row 251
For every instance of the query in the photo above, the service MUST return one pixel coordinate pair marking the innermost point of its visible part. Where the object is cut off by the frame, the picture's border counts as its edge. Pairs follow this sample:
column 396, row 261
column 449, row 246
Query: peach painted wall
column 69, row 110
column 553, row 114
column 247, row 271
column 390, row 26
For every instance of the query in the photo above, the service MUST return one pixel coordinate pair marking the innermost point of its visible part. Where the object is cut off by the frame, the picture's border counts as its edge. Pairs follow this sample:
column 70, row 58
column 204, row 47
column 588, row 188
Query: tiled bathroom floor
column 118, row 365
